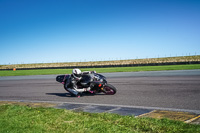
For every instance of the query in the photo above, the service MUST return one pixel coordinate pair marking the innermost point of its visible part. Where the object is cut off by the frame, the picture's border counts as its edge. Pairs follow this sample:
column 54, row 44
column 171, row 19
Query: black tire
column 109, row 89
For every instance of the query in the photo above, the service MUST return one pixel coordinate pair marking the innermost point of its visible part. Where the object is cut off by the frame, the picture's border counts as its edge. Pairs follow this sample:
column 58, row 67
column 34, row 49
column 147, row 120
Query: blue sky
column 39, row 31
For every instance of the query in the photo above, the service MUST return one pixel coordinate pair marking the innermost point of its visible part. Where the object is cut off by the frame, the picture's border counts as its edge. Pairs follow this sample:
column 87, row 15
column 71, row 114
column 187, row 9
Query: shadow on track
column 60, row 94
column 69, row 95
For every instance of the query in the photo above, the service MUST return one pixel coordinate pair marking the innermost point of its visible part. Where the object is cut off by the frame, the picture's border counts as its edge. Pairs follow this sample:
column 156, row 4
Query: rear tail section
column 61, row 78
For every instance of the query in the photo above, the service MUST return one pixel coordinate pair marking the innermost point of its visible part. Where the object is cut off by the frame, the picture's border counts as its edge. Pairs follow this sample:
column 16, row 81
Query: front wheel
column 109, row 89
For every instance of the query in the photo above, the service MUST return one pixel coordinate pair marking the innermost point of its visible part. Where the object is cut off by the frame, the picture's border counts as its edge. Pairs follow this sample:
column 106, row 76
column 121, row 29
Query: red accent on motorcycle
column 99, row 85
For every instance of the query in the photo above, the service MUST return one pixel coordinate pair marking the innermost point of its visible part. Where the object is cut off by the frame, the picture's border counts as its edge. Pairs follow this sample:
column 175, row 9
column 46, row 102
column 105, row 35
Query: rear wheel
column 109, row 89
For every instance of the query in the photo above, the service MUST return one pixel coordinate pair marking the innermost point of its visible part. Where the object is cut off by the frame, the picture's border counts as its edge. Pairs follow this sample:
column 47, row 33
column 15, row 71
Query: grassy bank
column 23, row 119
column 103, row 63
column 100, row 70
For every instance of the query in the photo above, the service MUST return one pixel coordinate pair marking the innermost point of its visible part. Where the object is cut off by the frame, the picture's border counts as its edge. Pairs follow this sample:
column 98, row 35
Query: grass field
column 24, row 119
column 99, row 70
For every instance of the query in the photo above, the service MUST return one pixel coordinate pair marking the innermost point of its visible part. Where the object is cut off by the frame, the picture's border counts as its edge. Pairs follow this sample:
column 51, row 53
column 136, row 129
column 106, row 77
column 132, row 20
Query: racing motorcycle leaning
column 95, row 81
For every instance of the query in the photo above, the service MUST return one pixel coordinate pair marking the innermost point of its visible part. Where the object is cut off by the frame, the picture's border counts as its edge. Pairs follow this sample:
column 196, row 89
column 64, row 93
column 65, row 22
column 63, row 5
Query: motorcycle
column 95, row 81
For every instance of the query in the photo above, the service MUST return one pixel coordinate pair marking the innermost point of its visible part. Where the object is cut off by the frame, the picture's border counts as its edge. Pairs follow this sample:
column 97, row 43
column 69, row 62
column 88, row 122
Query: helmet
column 76, row 73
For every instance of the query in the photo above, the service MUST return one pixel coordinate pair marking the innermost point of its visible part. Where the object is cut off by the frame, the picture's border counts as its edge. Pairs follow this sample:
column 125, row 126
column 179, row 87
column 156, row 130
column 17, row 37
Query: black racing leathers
column 71, row 84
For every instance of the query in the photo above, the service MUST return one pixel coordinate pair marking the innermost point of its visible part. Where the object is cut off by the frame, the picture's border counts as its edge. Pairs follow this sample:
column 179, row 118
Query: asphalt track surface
column 155, row 89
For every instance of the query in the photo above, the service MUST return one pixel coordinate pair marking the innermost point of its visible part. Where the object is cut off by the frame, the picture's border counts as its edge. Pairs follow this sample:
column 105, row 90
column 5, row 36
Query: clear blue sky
column 37, row 31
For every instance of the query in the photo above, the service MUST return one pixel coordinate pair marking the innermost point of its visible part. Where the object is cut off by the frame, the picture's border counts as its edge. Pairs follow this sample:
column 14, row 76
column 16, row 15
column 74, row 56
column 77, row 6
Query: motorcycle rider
column 76, row 77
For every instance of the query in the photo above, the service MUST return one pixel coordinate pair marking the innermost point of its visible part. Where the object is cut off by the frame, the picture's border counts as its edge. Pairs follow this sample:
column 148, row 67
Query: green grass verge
column 99, row 70
column 24, row 119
